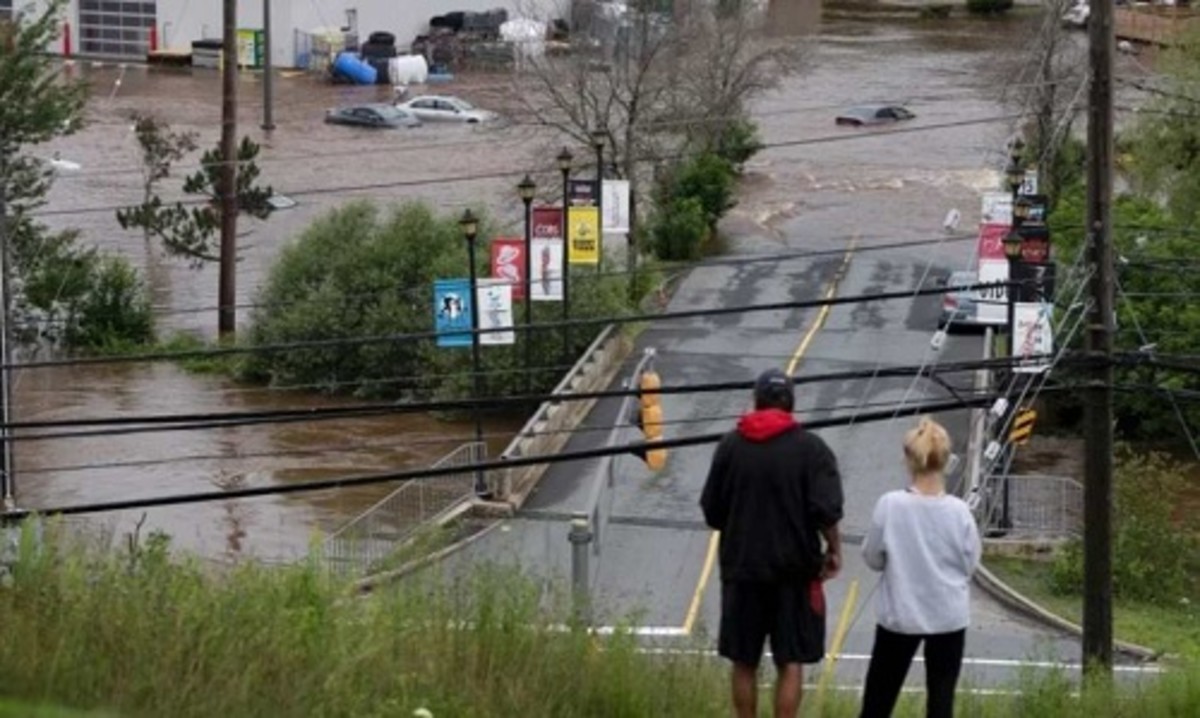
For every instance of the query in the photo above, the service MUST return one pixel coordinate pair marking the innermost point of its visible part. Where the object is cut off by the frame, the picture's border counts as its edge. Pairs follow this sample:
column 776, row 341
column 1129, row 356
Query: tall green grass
column 143, row 634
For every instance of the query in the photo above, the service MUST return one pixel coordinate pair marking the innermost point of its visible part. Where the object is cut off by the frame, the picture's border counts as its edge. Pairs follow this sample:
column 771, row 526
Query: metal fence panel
column 1038, row 506
column 375, row 534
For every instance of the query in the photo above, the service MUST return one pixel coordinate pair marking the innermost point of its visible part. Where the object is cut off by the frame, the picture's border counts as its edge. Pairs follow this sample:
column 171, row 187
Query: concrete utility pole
column 268, row 74
column 227, row 287
column 1098, row 402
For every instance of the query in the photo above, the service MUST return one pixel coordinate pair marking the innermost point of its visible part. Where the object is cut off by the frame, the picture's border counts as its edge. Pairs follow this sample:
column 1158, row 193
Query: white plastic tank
column 408, row 70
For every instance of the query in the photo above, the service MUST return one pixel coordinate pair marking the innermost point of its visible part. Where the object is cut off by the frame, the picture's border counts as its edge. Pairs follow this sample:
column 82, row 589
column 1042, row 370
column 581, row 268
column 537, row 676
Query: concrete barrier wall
column 548, row 430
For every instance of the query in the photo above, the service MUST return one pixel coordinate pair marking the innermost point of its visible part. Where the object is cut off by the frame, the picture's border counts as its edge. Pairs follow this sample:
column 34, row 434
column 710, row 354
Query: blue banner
column 452, row 307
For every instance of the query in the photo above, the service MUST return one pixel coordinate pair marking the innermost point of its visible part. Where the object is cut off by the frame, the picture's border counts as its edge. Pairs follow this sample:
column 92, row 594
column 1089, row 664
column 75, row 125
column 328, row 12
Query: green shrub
column 114, row 311
column 738, row 142
column 357, row 273
column 680, row 230
column 1153, row 556
column 989, row 7
column 709, row 179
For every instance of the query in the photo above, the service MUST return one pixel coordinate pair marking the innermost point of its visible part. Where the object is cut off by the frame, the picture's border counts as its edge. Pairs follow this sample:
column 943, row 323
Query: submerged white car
column 441, row 108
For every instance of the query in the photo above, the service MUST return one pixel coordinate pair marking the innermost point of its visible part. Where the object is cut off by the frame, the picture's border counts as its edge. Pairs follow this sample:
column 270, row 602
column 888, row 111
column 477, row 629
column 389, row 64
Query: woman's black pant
column 890, row 659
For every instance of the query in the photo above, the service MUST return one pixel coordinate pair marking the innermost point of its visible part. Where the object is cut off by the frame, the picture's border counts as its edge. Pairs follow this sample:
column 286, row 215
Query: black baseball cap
column 774, row 388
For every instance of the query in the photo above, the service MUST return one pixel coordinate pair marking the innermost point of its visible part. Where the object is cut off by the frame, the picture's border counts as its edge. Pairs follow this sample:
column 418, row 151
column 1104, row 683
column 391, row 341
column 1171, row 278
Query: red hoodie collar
column 765, row 424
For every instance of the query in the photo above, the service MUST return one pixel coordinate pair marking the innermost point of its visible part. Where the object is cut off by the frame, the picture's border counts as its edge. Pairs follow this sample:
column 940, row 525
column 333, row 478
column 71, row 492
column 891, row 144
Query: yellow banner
column 584, row 224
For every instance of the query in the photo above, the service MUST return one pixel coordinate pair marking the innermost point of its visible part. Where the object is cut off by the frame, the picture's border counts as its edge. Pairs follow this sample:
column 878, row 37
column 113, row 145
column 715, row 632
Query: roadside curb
column 1009, row 596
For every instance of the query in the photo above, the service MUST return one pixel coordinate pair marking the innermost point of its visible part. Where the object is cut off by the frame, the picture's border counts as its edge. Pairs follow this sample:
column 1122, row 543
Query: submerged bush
column 989, row 7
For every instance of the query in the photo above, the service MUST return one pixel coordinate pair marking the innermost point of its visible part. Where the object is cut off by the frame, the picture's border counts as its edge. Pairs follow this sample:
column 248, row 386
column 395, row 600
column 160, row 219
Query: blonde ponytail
column 926, row 447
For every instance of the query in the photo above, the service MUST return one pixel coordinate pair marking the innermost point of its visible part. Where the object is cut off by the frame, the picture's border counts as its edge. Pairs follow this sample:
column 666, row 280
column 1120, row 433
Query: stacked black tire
column 378, row 51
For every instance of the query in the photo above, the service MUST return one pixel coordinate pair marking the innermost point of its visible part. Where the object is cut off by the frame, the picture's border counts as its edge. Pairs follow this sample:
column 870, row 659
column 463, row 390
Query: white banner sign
column 1034, row 334
column 546, row 277
column 493, row 302
column 615, row 204
column 997, row 208
column 992, row 307
column 1030, row 185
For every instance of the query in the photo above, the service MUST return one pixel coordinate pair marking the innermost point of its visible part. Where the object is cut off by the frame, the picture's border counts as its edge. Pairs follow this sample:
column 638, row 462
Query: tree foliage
column 59, row 288
column 1154, row 554
column 191, row 229
column 359, row 272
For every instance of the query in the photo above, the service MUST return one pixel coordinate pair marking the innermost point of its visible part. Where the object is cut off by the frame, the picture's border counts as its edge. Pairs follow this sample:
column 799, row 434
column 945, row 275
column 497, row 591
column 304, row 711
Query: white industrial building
column 119, row 30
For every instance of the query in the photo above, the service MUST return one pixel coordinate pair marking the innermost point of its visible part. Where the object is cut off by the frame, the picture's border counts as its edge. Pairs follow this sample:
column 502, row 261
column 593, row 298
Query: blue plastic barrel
column 354, row 68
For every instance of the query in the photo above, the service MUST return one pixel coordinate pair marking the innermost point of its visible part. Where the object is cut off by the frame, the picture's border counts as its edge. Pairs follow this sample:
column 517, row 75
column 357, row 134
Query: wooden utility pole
column 1098, row 418
column 7, row 484
column 227, row 285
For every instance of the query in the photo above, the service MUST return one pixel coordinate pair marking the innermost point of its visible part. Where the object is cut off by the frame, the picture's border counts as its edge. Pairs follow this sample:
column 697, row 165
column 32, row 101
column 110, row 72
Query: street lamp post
column 527, row 189
column 564, row 165
column 470, row 229
column 598, row 145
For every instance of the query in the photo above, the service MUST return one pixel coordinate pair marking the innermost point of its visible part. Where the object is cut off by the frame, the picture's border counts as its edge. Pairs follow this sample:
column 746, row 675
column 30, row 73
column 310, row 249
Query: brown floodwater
column 944, row 69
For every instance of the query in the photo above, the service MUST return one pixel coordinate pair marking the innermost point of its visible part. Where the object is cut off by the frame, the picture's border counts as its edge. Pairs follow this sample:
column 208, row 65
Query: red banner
column 991, row 240
column 547, row 223
column 508, row 263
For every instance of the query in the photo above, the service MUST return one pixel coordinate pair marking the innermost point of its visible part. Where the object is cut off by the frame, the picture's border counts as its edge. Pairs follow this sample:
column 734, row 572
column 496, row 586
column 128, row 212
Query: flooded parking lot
column 802, row 182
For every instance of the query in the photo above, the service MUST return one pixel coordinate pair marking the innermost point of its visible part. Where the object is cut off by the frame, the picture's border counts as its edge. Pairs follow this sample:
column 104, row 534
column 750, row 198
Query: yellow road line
column 710, row 557
column 822, row 315
column 835, row 648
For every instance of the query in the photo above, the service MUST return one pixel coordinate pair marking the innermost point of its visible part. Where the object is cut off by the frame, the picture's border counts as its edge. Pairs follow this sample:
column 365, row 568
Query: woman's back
column 927, row 547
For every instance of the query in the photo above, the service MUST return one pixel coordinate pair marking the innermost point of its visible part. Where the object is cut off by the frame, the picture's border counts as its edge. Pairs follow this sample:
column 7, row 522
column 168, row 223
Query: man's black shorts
column 792, row 614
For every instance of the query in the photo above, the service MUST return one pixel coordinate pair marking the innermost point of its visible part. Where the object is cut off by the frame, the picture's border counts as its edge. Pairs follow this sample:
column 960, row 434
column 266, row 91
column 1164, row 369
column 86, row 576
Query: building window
column 115, row 29
column 6, row 9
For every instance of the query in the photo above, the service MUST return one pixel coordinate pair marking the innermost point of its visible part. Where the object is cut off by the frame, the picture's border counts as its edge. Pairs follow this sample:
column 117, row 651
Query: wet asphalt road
column 653, row 556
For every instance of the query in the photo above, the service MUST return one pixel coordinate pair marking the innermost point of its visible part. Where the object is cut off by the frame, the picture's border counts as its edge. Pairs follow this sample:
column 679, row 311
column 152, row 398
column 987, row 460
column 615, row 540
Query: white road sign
column 615, row 204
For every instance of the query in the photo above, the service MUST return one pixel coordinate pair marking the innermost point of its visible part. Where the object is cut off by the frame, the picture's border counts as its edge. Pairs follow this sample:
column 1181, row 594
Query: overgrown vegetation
column 63, row 293
column 137, row 633
column 362, row 273
column 989, row 7
column 1156, row 555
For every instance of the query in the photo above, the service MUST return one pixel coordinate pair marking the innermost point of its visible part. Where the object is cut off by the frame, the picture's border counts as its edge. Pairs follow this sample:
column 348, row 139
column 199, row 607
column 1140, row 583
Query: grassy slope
column 1173, row 629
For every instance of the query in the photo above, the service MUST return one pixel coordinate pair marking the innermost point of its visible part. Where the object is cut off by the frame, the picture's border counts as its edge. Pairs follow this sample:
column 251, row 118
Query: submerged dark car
column 378, row 115
column 873, row 115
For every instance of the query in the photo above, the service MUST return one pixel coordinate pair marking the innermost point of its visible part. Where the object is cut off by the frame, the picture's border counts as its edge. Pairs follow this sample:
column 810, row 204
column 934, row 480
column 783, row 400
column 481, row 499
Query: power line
column 430, row 473
column 188, row 422
column 517, row 174
column 541, row 326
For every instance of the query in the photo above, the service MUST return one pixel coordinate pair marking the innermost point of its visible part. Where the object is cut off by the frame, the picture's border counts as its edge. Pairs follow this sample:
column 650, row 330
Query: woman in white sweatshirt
column 927, row 546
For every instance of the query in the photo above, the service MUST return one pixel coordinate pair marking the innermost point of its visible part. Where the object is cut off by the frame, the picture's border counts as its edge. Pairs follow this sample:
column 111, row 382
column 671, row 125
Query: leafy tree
column 358, row 272
column 190, row 230
column 680, row 229
column 53, row 278
column 710, row 180
column 161, row 148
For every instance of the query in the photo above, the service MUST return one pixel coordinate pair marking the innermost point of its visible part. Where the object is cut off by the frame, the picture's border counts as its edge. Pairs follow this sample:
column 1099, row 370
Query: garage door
column 115, row 29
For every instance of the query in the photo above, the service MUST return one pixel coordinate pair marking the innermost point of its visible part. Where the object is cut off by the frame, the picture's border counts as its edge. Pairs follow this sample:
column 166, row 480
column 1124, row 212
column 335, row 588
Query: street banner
column 1029, row 186
column 991, row 241
column 508, row 264
column 992, row 306
column 546, row 278
column 616, row 206
column 494, row 299
column 547, row 223
column 1037, row 282
column 585, row 235
column 582, row 193
column 1034, row 334
column 1035, row 243
column 997, row 208
column 452, row 309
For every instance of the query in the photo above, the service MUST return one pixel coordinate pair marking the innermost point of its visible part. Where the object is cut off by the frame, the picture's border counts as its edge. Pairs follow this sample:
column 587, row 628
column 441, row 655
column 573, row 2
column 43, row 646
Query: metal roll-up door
column 112, row 28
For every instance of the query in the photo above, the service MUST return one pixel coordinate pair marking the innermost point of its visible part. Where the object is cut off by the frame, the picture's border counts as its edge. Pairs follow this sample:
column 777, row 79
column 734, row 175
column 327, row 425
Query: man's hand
column 831, row 566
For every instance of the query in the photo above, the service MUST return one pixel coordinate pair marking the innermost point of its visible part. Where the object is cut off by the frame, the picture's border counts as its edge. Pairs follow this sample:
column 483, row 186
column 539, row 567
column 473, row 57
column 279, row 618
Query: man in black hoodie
column 774, row 492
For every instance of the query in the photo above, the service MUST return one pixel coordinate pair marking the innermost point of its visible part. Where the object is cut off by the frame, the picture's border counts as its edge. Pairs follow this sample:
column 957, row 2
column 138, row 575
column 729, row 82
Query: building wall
column 179, row 22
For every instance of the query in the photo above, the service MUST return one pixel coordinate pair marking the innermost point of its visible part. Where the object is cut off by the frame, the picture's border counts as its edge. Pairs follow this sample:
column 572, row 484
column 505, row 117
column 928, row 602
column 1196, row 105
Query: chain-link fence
column 1033, row 506
column 376, row 535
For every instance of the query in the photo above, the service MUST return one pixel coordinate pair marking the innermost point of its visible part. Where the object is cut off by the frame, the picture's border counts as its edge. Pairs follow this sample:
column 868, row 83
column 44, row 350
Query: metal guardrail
column 1039, row 506
column 376, row 534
